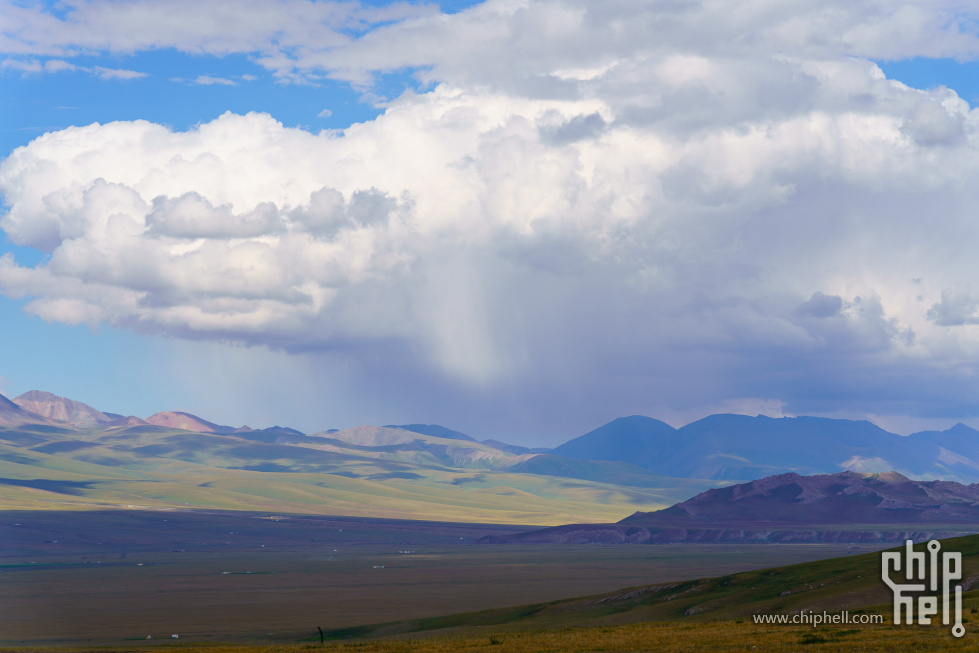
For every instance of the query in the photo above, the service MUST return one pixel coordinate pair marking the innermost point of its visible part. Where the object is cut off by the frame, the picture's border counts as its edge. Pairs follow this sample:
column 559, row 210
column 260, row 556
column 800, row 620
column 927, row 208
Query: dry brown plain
column 112, row 578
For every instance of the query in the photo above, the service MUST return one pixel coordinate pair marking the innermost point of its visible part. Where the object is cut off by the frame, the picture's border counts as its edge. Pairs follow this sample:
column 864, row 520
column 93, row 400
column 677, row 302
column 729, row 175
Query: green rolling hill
column 371, row 471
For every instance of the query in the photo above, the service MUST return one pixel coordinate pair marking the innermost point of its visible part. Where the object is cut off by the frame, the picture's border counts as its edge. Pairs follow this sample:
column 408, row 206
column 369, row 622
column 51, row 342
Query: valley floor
column 109, row 579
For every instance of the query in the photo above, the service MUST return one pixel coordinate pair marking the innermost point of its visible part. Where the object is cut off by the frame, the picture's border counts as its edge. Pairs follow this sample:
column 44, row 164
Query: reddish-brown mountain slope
column 827, row 498
column 844, row 507
column 73, row 413
column 58, row 408
column 187, row 422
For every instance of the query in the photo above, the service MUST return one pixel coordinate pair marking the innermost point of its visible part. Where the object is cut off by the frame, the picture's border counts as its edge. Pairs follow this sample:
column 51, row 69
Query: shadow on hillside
column 74, row 488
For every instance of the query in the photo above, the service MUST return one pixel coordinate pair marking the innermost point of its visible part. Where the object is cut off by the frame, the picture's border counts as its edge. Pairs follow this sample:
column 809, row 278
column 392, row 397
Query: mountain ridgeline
column 635, row 451
column 739, row 447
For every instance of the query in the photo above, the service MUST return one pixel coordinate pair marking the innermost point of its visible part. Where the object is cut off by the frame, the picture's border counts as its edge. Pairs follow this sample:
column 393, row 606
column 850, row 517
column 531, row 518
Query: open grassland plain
column 111, row 578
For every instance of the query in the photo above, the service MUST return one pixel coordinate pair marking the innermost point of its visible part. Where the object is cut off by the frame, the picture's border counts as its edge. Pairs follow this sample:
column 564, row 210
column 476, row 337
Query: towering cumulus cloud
column 722, row 198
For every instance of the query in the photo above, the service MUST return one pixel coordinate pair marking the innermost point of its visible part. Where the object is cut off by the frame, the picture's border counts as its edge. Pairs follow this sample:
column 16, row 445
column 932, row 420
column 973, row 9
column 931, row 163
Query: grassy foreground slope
column 153, row 467
column 849, row 583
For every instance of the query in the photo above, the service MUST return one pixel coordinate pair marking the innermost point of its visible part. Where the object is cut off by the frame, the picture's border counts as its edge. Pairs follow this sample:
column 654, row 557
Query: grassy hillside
column 849, row 583
column 157, row 467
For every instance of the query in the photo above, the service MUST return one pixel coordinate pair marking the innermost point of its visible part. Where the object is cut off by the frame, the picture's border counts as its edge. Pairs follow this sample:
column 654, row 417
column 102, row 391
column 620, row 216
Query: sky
column 517, row 219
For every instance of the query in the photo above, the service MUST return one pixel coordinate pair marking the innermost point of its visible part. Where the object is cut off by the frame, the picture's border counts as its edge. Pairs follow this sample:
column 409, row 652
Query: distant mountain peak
column 38, row 395
column 62, row 409
column 637, row 419
column 636, row 439
column 963, row 429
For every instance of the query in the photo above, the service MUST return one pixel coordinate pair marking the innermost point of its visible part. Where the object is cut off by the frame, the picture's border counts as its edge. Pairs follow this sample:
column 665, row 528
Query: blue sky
column 516, row 219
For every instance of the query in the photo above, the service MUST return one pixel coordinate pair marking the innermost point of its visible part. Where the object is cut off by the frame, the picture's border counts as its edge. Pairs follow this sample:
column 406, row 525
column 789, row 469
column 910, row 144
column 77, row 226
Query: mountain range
column 628, row 464
column 739, row 447
column 719, row 447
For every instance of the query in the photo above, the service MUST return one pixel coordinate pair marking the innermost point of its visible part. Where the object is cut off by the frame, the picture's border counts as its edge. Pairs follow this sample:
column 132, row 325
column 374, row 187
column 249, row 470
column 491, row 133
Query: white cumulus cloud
column 676, row 200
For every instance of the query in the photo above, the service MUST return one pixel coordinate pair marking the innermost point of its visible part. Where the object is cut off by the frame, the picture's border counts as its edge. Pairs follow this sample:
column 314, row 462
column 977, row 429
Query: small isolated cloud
column 207, row 80
column 117, row 73
column 374, row 100
column 34, row 66
column 248, row 78
column 325, row 113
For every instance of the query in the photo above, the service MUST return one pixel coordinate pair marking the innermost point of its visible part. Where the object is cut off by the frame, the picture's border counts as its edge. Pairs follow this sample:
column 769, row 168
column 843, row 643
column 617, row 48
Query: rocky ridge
column 844, row 507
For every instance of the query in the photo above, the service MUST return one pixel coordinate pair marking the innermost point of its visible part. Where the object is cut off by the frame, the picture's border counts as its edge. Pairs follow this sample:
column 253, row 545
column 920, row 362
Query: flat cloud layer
column 668, row 204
